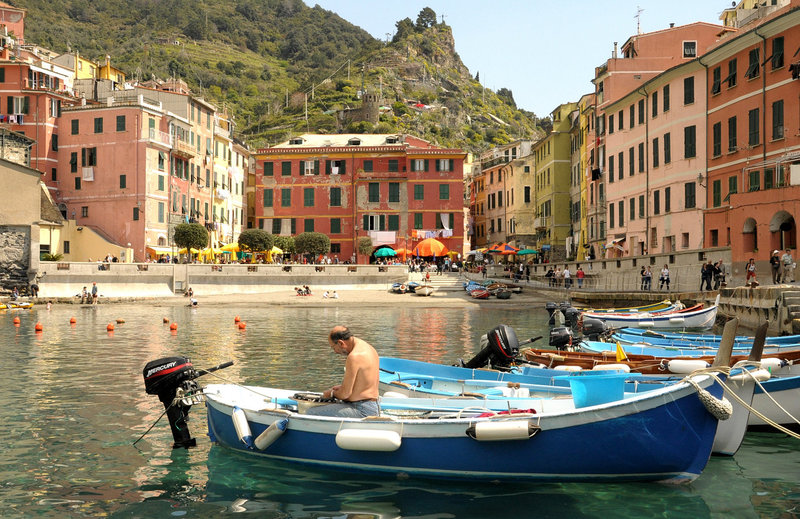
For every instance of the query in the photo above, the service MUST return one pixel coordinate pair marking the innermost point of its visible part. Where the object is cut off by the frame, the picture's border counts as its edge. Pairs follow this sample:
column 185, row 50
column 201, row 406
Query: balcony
column 158, row 137
column 494, row 162
column 183, row 149
column 541, row 222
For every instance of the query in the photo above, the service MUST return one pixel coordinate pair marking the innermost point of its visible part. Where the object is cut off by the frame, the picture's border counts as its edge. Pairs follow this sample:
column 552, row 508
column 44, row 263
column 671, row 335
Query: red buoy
column 16, row 320
column 110, row 327
column 38, row 327
column 72, row 320
column 242, row 325
column 173, row 326
column 236, row 319
column 166, row 320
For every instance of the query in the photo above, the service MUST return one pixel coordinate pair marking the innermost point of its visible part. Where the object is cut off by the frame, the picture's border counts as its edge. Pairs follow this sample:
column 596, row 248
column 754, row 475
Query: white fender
column 566, row 367
column 270, row 434
column 759, row 374
column 646, row 324
column 676, row 320
column 502, row 430
column 684, row 366
column 379, row 440
column 242, row 427
column 773, row 363
column 394, row 394
column 612, row 367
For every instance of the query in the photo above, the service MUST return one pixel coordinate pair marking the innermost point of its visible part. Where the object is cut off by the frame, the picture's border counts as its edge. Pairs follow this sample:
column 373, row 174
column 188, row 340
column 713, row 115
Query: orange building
column 754, row 137
column 396, row 189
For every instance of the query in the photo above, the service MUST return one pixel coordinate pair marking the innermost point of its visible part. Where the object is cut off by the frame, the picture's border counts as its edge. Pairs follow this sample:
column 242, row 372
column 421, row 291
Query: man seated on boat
column 357, row 396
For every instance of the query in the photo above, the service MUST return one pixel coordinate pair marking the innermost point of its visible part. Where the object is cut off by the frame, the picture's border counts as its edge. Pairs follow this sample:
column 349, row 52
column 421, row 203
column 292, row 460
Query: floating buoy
column 16, row 320
column 110, row 327
column 242, row 325
column 120, row 321
column 166, row 320
column 72, row 320
column 38, row 327
column 242, row 427
column 173, row 326
column 270, row 434
column 236, row 319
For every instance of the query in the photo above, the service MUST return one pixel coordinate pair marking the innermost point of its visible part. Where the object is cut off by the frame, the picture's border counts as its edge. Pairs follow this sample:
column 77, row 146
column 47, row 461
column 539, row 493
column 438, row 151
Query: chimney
column 671, row 25
column 614, row 54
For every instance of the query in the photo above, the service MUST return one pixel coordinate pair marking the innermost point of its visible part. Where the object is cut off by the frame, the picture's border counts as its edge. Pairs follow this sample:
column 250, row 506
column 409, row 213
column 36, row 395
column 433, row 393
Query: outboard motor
column 561, row 338
column 172, row 380
column 500, row 349
column 594, row 328
column 571, row 316
column 551, row 308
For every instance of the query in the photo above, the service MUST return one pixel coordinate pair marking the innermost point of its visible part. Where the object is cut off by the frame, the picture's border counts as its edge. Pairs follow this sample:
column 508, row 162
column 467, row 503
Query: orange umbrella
column 401, row 251
column 430, row 247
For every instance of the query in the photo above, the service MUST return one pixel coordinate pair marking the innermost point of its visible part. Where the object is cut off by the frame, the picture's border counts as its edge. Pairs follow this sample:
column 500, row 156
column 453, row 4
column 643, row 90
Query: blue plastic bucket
column 594, row 388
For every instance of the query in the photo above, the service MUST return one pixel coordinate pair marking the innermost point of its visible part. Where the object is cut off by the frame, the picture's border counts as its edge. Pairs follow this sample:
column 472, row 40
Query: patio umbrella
column 184, row 251
column 430, row 247
column 503, row 248
column 524, row 252
column 276, row 250
column 230, row 247
column 385, row 252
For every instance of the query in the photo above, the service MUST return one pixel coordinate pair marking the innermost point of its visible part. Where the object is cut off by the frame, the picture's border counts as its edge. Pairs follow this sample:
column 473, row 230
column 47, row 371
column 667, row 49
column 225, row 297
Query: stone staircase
column 447, row 282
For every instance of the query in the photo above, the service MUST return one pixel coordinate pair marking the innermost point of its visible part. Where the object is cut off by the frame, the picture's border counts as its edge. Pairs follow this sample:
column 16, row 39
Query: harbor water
column 72, row 403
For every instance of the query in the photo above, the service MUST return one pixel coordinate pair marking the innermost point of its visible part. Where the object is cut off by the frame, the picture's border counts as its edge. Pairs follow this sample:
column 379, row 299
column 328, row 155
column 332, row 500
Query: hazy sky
column 545, row 52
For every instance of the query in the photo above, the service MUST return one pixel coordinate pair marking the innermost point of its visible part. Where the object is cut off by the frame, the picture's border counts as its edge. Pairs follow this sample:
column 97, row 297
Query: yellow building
column 552, row 185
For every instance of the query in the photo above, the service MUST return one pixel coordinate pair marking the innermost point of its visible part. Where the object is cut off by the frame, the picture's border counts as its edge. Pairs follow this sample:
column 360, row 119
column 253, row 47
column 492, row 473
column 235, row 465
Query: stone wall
column 15, row 258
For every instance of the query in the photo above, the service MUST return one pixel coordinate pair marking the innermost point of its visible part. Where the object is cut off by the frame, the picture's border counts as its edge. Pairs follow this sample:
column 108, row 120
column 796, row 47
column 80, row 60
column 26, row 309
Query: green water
column 72, row 402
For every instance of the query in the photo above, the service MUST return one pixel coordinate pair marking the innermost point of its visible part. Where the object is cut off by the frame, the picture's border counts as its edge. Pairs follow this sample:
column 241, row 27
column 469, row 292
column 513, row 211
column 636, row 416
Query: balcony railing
column 160, row 137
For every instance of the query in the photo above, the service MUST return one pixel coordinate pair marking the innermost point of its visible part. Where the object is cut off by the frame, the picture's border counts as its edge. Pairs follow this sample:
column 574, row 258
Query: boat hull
column 667, row 436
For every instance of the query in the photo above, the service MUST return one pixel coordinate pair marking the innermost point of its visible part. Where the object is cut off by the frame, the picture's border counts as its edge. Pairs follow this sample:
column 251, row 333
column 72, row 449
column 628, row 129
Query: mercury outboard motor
column 551, row 308
column 571, row 316
column 500, row 350
column 172, row 380
column 594, row 328
column 561, row 338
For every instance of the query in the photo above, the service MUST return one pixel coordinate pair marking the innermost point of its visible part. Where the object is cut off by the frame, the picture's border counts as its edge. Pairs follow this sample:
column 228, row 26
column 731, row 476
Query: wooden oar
column 758, row 342
column 723, row 357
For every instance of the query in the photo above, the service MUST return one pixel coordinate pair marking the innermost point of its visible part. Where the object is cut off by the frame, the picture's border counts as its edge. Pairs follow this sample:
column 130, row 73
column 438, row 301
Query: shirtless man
column 358, row 392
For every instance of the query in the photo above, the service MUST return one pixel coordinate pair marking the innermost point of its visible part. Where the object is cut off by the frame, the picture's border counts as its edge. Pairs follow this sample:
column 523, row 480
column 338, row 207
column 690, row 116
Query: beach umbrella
column 503, row 248
column 430, row 247
column 230, row 247
column 524, row 252
column 184, row 250
column 276, row 250
column 385, row 252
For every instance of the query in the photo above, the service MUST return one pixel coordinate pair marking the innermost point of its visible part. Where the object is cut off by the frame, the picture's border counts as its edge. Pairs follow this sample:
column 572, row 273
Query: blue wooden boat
column 661, row 306
column 668, row 337
column 667, row 433
column 697, row 319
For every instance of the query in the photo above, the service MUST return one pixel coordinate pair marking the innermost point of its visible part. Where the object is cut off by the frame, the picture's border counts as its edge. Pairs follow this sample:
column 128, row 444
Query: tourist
column 750, row 268
column 641, row 277
column 325, row 295
column 94, row 292
column 357, row 395
column 84, row 296
column 664, row 278
column 706, row 273
column 788, row 267
column 335, row 295
column 551, row 277
column 34, row 289
column 648, row 278
column 580, row 274
column 775, row 266
column 567, row 277
column 15, row 294
column 719, row 274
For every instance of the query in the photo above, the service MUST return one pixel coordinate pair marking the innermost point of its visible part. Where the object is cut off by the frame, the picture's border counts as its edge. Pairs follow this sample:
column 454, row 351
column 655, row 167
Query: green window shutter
column 393, row 165
column 336, row 197
column 452, row 165
column 417, row 220
column 308, row 225
column 452, row 220
column 268, row 169
column 394, row 192
column 286, row 169
column 342, row 167
column 336, row 225
column 426, row 164
column 419, row 192
column 25, row 104
column 286, row 197
column 302, row 167
column 382, row 222
column 436, row 163
column 268, row 194
column 316, row 167
column 161, row 182
column 294, row 226
column 374, row 192
column 276, row 226
column 10, row 104
column 368, row 165
column 123, row 181
column 366, row 223
column 444, row 191
column 394, row 222
column 327, row 167
column 308, row 197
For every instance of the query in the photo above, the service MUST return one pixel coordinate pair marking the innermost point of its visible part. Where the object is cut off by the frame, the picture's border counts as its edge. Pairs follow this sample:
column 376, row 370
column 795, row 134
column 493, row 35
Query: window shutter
column 451, row 165
column 302, row 167
column 327, row 167
column 25, row 104
column 316, row 167
column 83, row 156
column 366, row 222
column 294, row 226
column 10, row 103
column 436, row 163
column 426, row 164
column 452, row 220
column 342, row 167
column 382, row 224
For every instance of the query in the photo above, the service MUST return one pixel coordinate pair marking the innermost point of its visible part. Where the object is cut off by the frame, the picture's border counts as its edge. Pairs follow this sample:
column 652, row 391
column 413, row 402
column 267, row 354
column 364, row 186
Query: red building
column 396, row 189
column 754, row 138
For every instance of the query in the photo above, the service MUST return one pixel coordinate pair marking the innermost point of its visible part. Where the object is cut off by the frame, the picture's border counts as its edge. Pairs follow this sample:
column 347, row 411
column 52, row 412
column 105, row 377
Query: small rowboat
column 424, row 290
column 15, row 306
column 479, row 293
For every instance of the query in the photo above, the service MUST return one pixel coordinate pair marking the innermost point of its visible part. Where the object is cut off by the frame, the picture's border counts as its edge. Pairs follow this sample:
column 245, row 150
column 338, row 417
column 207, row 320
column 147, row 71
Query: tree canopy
column 314, row 243
column 426, row 18
column 256, row 240
column 365, row 245
column 191, row 235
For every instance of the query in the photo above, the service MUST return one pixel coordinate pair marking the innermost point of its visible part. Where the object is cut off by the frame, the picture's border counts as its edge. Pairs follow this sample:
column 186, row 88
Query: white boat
column 696, row 319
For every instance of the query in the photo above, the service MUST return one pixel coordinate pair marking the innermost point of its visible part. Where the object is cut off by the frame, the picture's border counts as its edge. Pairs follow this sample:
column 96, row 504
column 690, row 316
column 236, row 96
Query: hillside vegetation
column 282, row 67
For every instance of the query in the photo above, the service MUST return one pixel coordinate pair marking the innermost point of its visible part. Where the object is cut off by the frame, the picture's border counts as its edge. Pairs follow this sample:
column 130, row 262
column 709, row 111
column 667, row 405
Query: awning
column 616, row 244
column 159, row 250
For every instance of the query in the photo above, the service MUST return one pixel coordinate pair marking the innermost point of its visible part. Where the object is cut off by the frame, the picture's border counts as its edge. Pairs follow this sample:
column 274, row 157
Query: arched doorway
column 783, row 230
column 749, row 236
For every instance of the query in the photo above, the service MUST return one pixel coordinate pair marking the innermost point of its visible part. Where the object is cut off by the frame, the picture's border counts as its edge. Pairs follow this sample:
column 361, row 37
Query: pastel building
column 395, row 189
column 754, row 134
column 498, row 182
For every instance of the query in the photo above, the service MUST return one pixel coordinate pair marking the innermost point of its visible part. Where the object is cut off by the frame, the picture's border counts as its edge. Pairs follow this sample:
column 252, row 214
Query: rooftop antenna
column 638, row 17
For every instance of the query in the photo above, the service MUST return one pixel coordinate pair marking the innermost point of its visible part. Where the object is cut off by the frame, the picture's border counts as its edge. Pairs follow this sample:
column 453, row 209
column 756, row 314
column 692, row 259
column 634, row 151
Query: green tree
column 256, row 240
column 365, row 245
column 405, row 27
column 190, row 235
column 314, row 243
column 426, row 18
column 286, row 244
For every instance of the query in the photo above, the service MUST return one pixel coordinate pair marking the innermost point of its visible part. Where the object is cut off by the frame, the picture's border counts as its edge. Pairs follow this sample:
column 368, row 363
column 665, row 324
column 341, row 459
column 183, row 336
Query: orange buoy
column 16, row 320
column 110, row 327
column 173, row 326
column 166, row 320
column 236, row 319
column 120, row 321
column 38, row 327
column 72, row 320
column 242, row 325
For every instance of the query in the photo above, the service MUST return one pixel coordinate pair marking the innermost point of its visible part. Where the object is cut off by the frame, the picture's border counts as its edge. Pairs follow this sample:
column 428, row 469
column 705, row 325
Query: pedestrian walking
column 775, row 267
column 787, row 262
column 580, row 274
column 648, row 278
column 750, row 278
column 664, row 278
